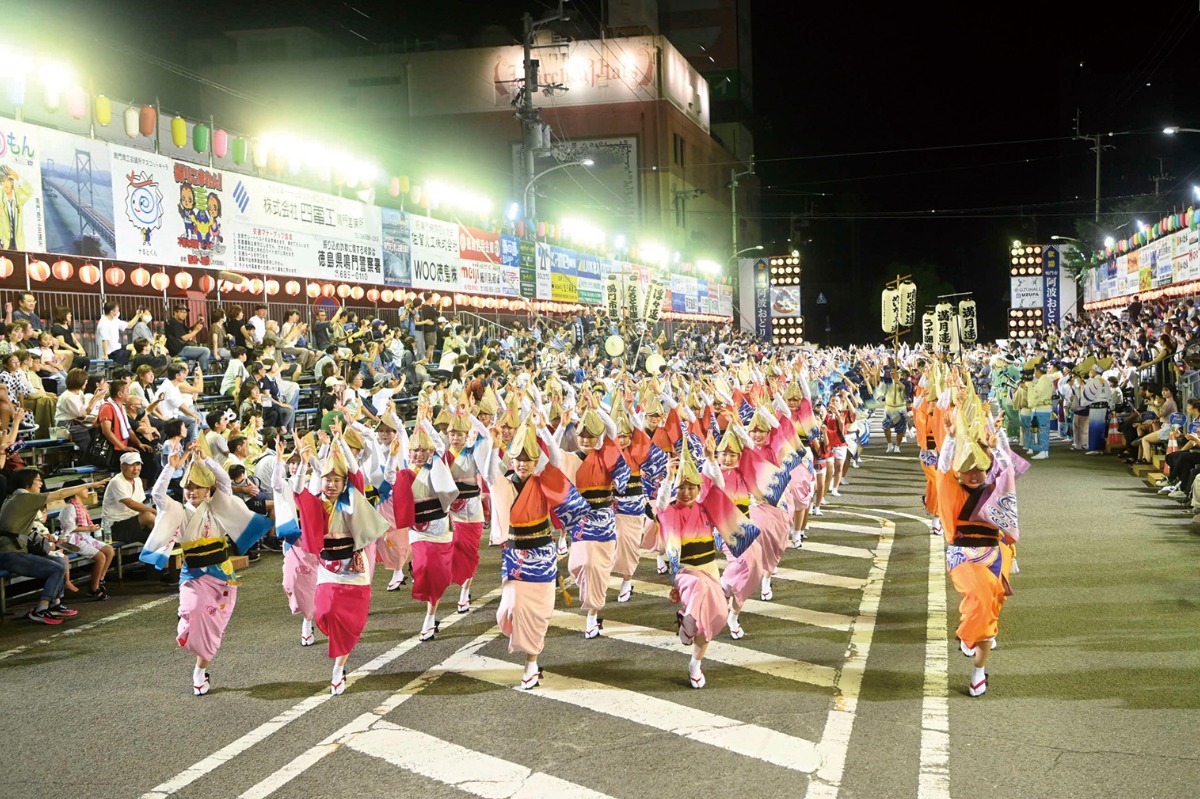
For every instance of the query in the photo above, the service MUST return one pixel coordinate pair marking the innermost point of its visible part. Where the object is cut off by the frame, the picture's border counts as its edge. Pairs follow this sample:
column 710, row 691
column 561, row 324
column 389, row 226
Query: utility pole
column 734, row 177
column 1097, row 147
column 1160, row 177
column 530, row 117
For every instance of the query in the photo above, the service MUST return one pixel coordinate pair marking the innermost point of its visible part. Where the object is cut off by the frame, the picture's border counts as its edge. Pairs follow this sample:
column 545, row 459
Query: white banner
column 1026, row 292
column 22, row 212
column 435, row 263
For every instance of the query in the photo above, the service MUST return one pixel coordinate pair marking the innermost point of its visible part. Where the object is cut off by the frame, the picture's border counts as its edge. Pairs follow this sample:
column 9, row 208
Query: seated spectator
column 246, row 488
column 219, row 340
column 65, row 339
column 26, row 311
column 113, row 421
column 182, row 338
column 174, row 397
column 24, row 393
column 125, row 512
column 148, row 353
column 142, row 386
column 277, row 412
column 249, row 403
column 139, row 326
column 77, row 529
column 239, row 451
column 76, row 412
column 17, row 516
column 218, row 423
column 236, row 373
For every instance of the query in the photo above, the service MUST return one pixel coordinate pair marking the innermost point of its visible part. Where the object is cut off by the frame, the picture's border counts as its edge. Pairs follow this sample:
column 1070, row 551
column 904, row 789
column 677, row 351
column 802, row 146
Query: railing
column 1189, row 386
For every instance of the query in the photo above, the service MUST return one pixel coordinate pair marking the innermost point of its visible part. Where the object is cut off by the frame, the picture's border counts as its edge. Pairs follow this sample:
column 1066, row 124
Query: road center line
column 933, row 781
column 91, row 625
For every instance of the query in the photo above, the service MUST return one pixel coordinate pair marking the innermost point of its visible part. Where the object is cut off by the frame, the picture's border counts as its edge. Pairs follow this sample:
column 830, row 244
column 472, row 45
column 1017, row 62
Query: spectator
column 218, row 423
column 173, row 446
column 76, row 412
column 139, row 326
column 234, row 326
column 247, row 489
column 113, row 420
column 142, row 386
column 239, row 451
column 174, row 397
column 109, row 328
column 17, row 516
column 23, row 393
column 427, row 322
column 181, row 339
column 236, row 373
column 277, row 412
column 63, row 331
column 219, row 339
column 26, row 311
column 255, row 328
column 77, row 528
column 144, row 354
column 125, row 512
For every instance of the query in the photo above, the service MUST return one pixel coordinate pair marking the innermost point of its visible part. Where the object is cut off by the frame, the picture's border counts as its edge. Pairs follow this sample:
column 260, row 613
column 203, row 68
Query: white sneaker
column 854, row 464
column 1028, row 451
column 1093, row 452
column 1041, row 456
column 1178, row 495
column 1165, row 487
column 897, row 450
column 833, row 492
column 816, row 511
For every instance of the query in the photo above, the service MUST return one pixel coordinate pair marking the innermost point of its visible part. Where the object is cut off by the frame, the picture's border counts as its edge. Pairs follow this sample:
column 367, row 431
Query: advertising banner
column 691, row 301
column 591, row 284
column 397, row 248
column 762, row 300
column 563, row 268
column 77, row 195
column 527, row 253
column 434, row 253
column 1026, row 292
column 679, row 290
column 725, row 301
column 22, row 214
column 1051, row 286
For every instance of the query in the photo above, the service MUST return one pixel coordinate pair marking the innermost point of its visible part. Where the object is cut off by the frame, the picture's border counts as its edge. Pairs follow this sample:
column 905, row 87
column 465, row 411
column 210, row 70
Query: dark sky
column 968, row 111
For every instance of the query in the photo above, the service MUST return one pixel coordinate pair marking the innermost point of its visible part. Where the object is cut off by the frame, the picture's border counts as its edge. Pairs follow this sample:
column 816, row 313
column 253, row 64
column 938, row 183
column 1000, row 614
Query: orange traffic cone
column 1116, row 441
column 1172, row 446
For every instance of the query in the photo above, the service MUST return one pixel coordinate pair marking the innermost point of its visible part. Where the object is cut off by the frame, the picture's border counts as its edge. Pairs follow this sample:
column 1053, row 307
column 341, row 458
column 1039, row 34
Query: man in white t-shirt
column 108, row 330
column 125, row 511
column 257, row 323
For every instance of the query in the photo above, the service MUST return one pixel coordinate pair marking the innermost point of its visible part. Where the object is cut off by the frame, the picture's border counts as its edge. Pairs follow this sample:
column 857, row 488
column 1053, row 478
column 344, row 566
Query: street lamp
column 743, row 252
column 1068, row 238
column 529, row 206
column 1171, row 130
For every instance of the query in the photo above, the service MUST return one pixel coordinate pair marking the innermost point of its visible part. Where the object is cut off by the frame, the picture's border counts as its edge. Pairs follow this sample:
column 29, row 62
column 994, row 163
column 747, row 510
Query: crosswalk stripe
column 837, row 549
column 719, row 651
column 739, row 737
column 844, row 527
column 774, row 610
column 819, row 578
column 466, row 770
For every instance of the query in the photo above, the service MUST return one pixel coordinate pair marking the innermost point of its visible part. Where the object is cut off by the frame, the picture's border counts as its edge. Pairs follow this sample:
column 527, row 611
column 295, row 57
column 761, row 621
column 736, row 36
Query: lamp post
column 530, row 210
column 743, row 252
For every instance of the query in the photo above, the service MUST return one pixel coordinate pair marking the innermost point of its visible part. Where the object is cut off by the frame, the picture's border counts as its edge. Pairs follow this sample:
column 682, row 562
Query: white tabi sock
column 306, row 628
column 626, row 585
column 428, row 623
column 694, row 667
column 531, row 669
column 198, row 676
column 977, row 676
column 338, row 673
column 464, row 595
column 766, row 583
column 733, row 619
column 591, row 619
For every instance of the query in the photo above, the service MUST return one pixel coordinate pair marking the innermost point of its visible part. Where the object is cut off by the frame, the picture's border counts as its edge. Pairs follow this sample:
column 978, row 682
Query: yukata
column 421, row 500
column 467, row 468
column 529, row 559
column 598, row 476
column 299, row 565
column 209, row 534
column 631, row 506
column 759, row 558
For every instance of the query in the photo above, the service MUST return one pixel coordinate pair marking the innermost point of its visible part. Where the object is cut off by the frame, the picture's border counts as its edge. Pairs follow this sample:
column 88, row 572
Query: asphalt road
column 848, row 683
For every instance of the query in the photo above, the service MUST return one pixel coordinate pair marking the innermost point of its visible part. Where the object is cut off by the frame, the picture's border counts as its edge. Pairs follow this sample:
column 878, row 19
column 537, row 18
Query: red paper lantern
column 159, row 281
column 356, row 293
column 6, row 267
column 140, row 277
column 207, row 283
column 328, row 290
column 62, row 270
column 114, row 276
column 314, row 290
column 255, row 286
column 373, row 295
column 39, row 271
column 147, row 120
column 387, row 295
column 292, row 287
column 272, row 287
column 183, row 281
column 343, row 291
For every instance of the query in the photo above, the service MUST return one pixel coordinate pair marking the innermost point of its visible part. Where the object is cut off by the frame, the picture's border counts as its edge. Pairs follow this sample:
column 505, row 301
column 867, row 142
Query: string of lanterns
column 1148, row 233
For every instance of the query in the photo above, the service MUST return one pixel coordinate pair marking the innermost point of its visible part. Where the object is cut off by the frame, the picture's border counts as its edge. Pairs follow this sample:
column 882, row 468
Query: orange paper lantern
column 88, row 273
column 6, row 267
column 255, row 287
column 373, row 295
column 39, row 271
column 356, row 293
column 386, row 296
column 292, row 287
column 140, row 277
column 343, row 291
column 207, row 283
column 328, row 290
column 114, row 276
column 183, row 281
column 159, row 281
column 62, row 270
column 272, row 287
column 314, row 290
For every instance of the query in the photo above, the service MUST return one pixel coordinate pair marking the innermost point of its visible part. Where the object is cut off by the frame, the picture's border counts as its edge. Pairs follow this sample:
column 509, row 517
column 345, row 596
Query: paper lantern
column 970, row 329
column 51, row 94
column 908, row 304
column 62, row 270
column 373, row 295
column 220, row 143
column 446, row 302
column 415, row 195
column 147, row 120
column 255, row 286
column 272, row 287
column 243, row 287
column 314, row 290
column 261, row 154
column 328, row 290
column 890, row 310
column 178, row 131
column 541, row 229
column 103, row 110
column 114, row 276
column 39, row 271
column 159, row 281
column 76, row 102
column 200, row 138
column 394, row 187
column 343, row 291
column 357, row 293
column 238, row 153
column 405, row 184
column 140, row 277
column 131, row 122
column 475, row 302
column 435, row 298
column 292, row 287
column 207, row 283
column 225, row 286
column 387, row 295
column 274, row 163
column 183, row 281
column 520, row 230
column 504, row 305
column 89, row 274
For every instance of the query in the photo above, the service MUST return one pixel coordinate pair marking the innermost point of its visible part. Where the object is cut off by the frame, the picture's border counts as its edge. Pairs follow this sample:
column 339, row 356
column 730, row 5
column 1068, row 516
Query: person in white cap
column 125, row 511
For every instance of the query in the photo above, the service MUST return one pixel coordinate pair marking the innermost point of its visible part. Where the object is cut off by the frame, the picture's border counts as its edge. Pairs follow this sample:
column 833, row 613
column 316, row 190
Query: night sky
column 968, row 113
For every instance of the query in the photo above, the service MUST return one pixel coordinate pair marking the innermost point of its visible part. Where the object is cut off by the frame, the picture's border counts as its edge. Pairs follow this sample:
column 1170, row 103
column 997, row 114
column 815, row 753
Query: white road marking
column 91, row 625
column 719, row 651
column 739, row 737
column 843, row 527
column 819, row 578
column 775, row 610
column 463, row 769
column 837, row 549
column 933, row 780
column 835, row 740
column 269, row 728
column 309, row 758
